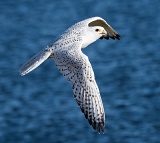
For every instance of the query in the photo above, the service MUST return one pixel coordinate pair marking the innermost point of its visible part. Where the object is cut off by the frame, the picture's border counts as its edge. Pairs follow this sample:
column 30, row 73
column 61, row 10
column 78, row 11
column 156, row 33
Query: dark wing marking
column 76, row 67
column 111, row 33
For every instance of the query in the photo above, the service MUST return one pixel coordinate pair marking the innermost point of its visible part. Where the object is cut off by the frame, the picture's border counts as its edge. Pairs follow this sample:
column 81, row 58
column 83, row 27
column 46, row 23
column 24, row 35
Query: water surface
column 40, row 108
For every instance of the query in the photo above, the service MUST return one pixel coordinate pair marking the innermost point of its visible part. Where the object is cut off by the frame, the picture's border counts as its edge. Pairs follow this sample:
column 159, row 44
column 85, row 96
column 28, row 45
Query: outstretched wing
column 111, row 33
column 75, row 66
column 35, row 61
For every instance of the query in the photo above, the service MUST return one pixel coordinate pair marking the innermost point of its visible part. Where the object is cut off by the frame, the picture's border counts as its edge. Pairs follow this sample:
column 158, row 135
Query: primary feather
column 75, row 66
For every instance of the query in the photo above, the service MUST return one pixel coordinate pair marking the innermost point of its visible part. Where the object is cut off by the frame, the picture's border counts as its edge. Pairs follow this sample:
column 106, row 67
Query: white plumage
column 75, row 66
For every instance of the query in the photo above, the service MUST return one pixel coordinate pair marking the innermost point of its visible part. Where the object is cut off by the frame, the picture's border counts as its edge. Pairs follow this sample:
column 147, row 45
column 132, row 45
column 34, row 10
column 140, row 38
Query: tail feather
column 35, row 61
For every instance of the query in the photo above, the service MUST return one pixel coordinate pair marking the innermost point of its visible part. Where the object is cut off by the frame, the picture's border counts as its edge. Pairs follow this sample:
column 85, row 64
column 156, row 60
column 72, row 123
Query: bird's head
column 92, row 34
column 99, row 31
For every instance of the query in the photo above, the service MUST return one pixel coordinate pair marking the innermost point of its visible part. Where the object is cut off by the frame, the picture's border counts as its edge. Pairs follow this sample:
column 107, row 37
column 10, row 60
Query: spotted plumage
column 67, row 54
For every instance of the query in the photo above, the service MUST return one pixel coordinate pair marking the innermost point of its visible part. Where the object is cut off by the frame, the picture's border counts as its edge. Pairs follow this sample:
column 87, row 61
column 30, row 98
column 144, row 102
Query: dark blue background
column 40, row 108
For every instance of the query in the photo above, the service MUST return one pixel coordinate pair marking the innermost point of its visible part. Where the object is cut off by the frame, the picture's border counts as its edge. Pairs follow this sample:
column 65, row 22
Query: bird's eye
column 97, row 30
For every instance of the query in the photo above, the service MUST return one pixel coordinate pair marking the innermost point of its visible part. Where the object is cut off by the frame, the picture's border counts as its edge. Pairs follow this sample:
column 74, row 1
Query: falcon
column 66, row 51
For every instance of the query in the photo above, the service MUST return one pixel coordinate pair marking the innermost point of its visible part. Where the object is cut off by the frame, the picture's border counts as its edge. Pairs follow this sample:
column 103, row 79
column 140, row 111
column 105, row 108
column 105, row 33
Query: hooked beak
column 103, row 32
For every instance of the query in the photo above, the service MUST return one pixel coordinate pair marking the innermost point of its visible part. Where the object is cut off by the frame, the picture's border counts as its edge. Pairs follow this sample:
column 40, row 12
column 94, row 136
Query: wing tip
column 115, row 36
column 97, row 126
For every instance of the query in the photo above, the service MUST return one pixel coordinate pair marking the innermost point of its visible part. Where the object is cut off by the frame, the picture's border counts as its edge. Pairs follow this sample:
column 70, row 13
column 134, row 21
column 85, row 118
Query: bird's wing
column 111, row 33
column 35, row 61
column 76, row 67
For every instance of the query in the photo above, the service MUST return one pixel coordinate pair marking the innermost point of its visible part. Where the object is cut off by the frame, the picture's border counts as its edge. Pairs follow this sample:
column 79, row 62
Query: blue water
column 40, row 108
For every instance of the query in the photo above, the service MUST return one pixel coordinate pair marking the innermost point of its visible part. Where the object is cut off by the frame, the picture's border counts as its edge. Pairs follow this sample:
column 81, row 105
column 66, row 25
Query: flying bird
column 67, row 54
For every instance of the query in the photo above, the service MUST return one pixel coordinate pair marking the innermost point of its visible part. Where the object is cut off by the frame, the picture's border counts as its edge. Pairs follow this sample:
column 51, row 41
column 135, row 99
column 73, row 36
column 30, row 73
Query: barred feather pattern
column 76, row 67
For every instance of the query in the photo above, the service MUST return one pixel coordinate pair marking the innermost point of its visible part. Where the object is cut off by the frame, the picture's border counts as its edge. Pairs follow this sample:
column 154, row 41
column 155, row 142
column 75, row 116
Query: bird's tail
column 35, row 61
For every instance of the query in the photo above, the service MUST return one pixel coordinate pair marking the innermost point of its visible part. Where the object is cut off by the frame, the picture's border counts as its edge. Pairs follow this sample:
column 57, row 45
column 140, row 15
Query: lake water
column 40, row 108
